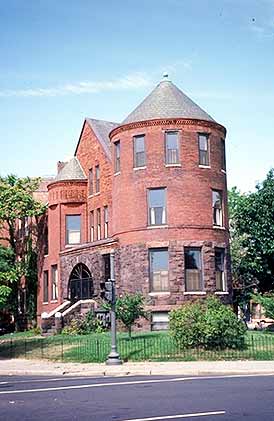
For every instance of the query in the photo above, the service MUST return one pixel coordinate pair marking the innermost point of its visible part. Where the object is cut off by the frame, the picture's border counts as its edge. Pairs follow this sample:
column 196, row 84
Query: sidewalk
column 47, row 368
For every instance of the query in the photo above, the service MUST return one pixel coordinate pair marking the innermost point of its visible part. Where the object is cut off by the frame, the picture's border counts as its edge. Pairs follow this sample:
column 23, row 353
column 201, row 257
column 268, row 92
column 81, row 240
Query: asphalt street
column 137, row 398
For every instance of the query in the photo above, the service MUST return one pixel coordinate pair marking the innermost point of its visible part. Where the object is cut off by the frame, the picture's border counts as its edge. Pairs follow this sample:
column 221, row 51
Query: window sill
column 139, row 168
column 204, row 166
column 161, row 294
column 96, row 194
column 54, row 301
column 221, row 293
column 117, row 173
column 72, row 245
column 46, row 255
column 45, row 302
column 90, row 196
column 223, row 171
column 157, row 226
column 172, row 165
column 195, row 293
column 217, row 227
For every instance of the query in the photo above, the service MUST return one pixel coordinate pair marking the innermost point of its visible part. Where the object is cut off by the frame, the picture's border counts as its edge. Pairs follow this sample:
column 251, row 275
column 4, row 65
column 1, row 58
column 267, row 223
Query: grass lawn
column 153, row 346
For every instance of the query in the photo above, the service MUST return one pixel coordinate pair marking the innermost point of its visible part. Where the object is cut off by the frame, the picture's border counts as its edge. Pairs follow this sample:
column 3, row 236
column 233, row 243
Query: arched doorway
column 80, row 285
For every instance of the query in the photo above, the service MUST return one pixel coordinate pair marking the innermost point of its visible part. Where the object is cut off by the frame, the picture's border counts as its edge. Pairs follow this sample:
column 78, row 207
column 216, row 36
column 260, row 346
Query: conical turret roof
column 72, row 170
column 167, row 101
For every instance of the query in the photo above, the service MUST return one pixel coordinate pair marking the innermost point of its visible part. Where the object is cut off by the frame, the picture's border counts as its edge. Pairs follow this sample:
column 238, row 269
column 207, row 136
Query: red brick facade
column 189, row 213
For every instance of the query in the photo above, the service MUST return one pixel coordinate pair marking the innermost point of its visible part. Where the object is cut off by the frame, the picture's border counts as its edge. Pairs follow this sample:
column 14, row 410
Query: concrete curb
column 21, row 367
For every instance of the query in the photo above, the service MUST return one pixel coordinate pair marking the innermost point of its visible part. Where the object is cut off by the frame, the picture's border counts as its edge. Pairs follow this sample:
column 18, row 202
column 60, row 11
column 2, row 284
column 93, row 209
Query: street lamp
column 113, row 357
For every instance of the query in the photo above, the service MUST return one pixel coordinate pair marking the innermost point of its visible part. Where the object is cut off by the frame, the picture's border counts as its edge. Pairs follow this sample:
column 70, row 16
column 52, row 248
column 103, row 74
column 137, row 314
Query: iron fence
column 139, row 348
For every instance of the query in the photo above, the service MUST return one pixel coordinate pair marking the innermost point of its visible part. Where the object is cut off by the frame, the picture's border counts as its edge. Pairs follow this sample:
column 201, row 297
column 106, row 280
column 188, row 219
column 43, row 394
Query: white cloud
column 131, row 81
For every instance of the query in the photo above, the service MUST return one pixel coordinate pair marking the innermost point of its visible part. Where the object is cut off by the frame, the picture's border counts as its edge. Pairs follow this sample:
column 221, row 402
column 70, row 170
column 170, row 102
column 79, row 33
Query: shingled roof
column 102, row 129
column 167, row 101
column 72, row 170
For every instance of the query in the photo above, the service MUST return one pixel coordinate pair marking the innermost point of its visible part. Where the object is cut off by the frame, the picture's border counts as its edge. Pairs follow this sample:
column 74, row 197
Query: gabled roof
column 101, row 129
column 72, row 170
column 167, row 101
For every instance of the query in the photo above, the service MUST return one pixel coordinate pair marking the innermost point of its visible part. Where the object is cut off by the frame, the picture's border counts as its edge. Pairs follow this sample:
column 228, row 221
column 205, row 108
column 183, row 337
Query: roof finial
column 165, row 77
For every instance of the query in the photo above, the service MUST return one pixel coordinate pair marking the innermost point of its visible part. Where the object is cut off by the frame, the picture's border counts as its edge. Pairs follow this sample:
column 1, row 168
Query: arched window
column 80, row 283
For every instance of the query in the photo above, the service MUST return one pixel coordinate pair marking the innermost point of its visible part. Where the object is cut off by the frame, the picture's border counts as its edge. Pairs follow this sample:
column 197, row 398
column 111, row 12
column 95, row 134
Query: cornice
column 65, row 182
column 167, row 122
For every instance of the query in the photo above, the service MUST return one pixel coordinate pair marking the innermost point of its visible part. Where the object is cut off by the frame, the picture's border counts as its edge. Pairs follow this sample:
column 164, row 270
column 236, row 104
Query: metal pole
column 114, row 357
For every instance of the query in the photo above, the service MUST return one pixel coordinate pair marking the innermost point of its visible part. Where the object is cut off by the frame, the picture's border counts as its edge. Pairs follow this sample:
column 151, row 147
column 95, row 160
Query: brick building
column 153, row 190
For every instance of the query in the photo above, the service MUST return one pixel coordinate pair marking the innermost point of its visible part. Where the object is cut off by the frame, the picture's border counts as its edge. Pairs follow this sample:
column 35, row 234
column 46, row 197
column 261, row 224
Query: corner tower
column 170, row 201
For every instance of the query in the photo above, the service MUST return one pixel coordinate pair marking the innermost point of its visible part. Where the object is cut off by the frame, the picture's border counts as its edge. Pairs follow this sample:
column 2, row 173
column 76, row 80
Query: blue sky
column 62, row 61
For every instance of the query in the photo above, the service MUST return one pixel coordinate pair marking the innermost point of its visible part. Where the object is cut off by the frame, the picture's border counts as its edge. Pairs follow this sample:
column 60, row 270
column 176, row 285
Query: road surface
column 150, row 398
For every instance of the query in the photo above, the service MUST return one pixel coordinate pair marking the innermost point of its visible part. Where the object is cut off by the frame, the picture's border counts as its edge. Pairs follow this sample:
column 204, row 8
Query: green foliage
column 209, row 324
column 17, row 202
column 9, row 272
column 267, row 302
column 84, row 325
column 186, row 324
column 16, row 198
column 129, row 308
column 252, row 239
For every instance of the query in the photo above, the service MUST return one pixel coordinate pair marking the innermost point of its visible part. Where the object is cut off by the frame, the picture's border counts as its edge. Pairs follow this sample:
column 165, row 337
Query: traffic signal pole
column 114, row 357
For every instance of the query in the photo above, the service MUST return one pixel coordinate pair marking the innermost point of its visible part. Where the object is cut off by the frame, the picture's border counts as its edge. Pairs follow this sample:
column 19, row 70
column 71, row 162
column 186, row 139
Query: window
column 97, row 180
column 172, row 147
column 219, row 269
column 92, row 226
column 90, row 177
column 98, row 224
column 157, row 206
column 139, row 151
column 106, row 222
column 54, row 282
column 46, row 241
column 46, row 286
column 117, row 156
column 203, row 150
column 223, row 158
column 217, row 206
column 73, row 229
column 158, row 270
column 193, row 269
column 159, row 320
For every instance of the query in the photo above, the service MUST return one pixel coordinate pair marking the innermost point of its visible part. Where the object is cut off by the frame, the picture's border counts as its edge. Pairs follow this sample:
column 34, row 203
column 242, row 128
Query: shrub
column 186, row 325
column 222, row 329
column 207, row 323
column 84, row 325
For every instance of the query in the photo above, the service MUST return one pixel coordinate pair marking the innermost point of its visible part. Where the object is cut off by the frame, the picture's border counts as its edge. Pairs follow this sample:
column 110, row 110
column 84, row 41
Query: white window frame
column 217, row 211
column 204, row 152
column 54, row 283
column 169, row 157
column 136, row 154
column 152, row 210
column 75, row 232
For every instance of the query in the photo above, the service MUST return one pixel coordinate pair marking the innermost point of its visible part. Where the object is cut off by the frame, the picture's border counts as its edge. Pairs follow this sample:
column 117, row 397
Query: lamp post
column 113, row 357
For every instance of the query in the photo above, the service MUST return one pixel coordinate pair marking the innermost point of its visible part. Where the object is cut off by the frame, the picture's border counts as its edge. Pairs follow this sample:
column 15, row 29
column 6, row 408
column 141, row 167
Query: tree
column 8, row 274
column 252, row 236
column 129, row 308
column 16, row 204
column 267, row 302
